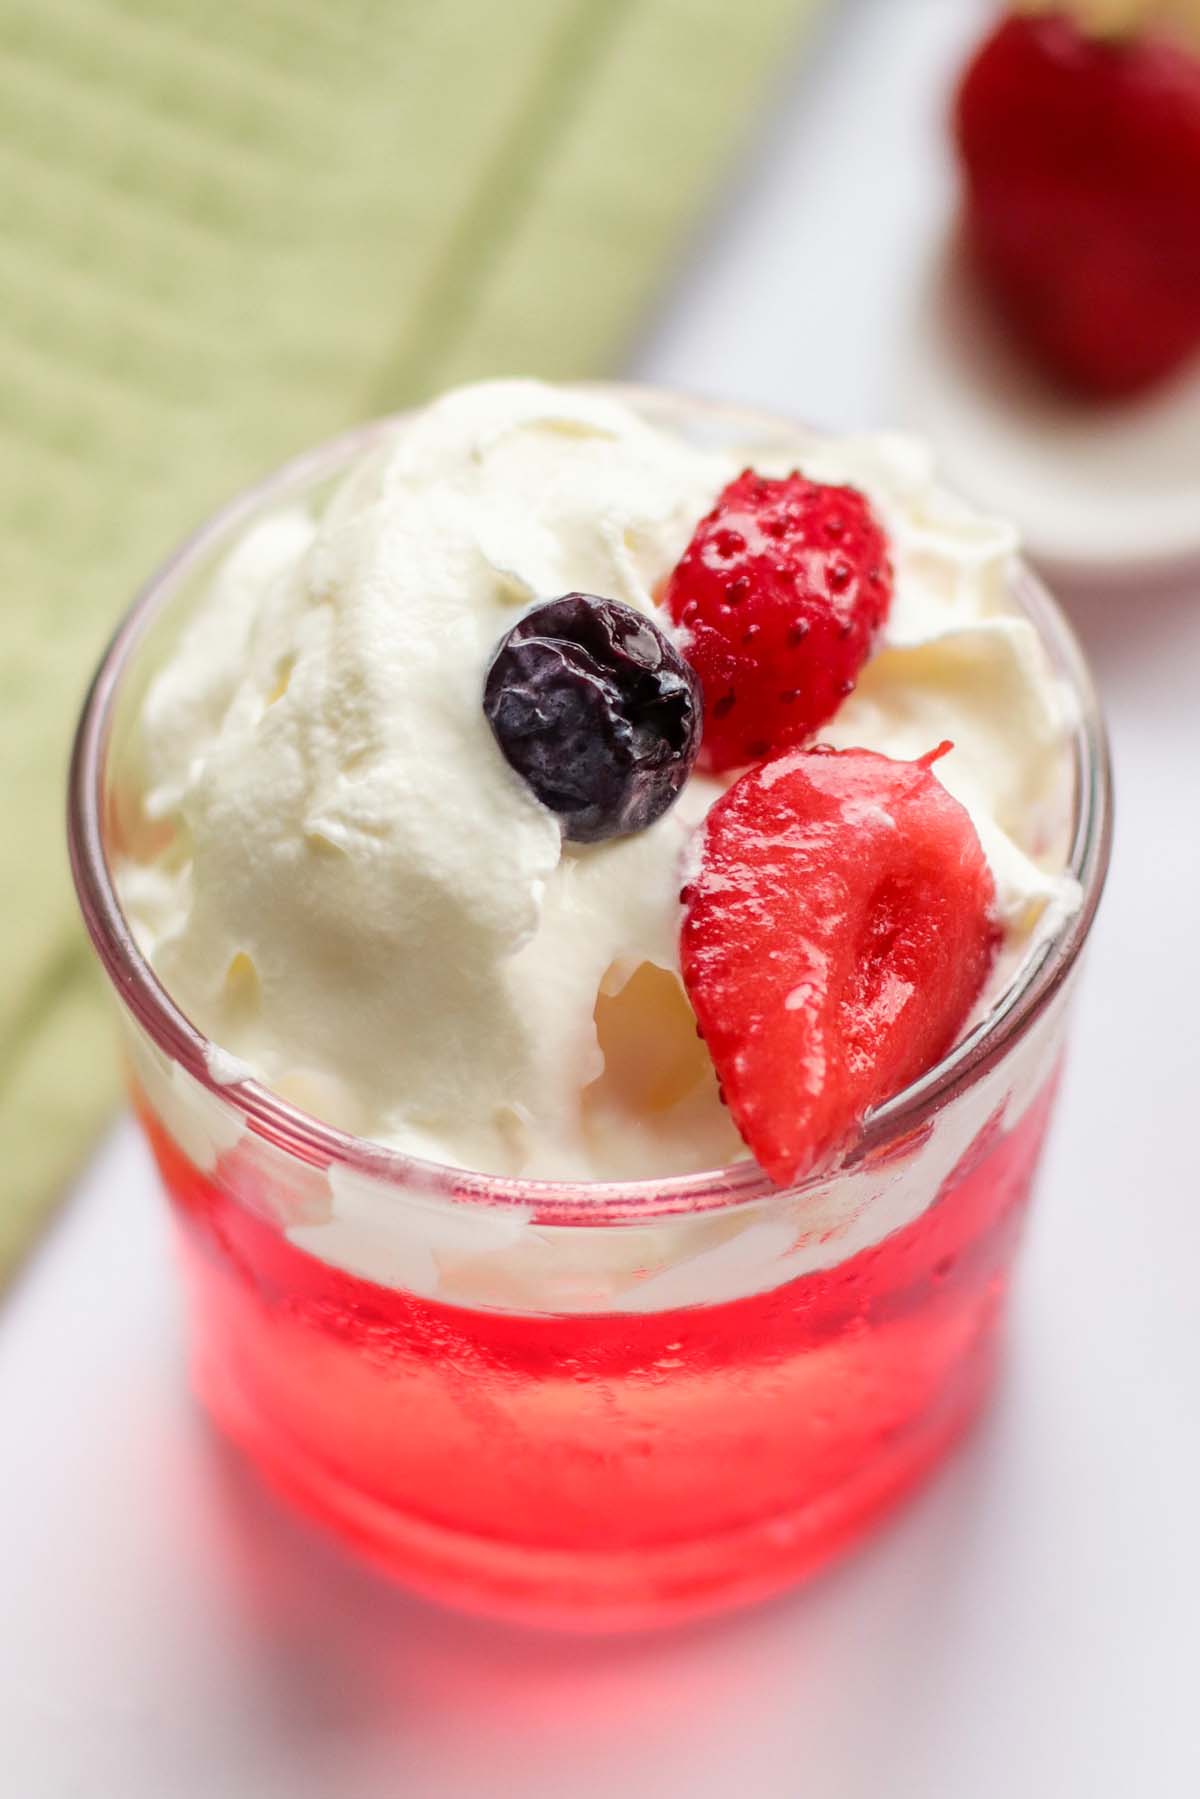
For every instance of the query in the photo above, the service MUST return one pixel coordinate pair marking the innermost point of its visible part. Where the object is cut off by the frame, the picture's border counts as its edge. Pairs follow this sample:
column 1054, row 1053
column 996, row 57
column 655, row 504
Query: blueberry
column 597, row 711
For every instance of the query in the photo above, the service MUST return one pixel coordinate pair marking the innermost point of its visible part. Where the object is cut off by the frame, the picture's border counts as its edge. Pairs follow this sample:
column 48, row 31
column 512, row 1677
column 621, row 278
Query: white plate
column 1101, row 492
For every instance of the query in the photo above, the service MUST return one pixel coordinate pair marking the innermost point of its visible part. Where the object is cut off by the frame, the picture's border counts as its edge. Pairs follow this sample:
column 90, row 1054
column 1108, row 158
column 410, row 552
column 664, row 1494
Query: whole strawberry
column 779, row 596
column 1082, row 162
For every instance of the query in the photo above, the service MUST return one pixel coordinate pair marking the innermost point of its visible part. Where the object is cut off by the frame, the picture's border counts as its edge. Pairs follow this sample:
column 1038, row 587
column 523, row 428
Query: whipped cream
column 345, row 887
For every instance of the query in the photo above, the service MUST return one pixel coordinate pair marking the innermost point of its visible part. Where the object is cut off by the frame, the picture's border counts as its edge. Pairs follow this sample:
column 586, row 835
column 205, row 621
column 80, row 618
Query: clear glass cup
column 606, row 1404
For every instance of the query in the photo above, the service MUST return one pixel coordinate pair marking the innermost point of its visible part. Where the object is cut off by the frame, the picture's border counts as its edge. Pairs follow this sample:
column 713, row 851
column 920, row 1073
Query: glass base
column 595, row 1591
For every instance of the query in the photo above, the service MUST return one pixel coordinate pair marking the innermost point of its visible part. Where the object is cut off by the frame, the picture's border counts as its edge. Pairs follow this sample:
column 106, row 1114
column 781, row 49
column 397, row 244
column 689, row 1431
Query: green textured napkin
column 226, row 232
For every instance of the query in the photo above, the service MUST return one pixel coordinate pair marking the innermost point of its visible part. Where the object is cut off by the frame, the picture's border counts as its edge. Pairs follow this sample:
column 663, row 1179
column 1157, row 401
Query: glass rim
column 269, row 1116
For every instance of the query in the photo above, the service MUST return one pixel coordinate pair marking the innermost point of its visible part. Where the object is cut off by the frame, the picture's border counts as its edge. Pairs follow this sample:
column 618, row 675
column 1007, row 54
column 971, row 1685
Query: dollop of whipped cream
column 346, row 888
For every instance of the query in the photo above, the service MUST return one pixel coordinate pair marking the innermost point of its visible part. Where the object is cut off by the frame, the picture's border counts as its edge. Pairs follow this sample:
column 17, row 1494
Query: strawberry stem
column 1124, row 18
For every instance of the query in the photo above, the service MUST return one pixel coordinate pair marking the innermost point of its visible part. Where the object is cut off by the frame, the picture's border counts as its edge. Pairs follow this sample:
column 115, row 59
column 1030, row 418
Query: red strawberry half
column 1082, row 162
column 834, row 941
column 779, row 595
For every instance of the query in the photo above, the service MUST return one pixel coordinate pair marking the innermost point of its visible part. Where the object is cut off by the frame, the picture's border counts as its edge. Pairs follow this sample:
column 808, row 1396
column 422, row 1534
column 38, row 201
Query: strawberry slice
column 834, row 941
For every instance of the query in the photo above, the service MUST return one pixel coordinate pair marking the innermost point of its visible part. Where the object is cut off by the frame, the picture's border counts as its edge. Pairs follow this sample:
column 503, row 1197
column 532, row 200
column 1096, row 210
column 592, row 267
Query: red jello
column 615, row 1468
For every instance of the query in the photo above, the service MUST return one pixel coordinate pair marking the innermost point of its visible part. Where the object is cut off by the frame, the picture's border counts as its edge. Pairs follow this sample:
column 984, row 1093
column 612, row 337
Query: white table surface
column 1029, row 1626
